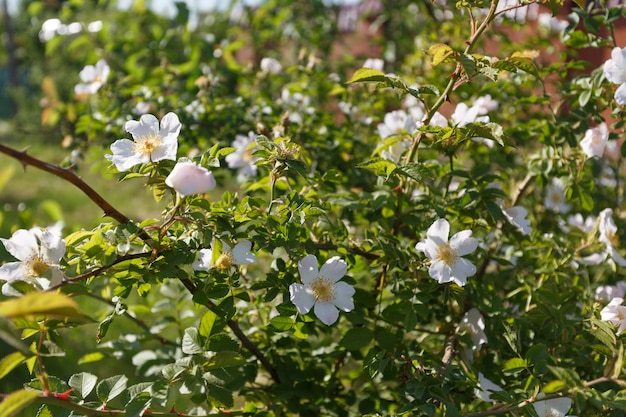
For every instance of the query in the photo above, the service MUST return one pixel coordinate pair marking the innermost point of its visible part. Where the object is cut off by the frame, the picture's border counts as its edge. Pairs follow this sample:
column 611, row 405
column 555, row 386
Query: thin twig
column 234, row 326
column 75, row 180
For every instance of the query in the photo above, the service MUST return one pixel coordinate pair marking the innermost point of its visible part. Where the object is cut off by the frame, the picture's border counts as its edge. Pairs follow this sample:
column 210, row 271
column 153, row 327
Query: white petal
column 147, row 125
column 326, row 312
column 343, row 296
column 301, row 297
column 308, row 269
column 462, row 269
column 165, row 151
column 12, row 271
column 52, row 247
column 334, row 269
column 462, row 243
column 170, row 126
column 439, row 231
column 22, row 245
column 440, row 271
column 620, row 95
column 205, row 260
column 124, row 156
column 241, row 253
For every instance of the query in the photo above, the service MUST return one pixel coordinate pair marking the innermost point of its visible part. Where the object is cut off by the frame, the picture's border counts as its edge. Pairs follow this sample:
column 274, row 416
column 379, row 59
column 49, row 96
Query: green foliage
column 331, row 183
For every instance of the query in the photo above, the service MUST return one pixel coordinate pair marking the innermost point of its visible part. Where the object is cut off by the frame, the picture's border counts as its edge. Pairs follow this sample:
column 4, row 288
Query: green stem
column 443, row 97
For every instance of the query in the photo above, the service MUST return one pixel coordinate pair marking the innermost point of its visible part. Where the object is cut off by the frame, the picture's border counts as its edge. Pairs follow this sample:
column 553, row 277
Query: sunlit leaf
column 16, row 401
column 363, row 75
column 41, row 304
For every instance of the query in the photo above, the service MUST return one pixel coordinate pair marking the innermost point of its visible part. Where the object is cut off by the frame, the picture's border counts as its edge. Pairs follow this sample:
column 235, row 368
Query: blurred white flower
column 187, row 178
column 552, row 23
column 608, row 236
column 556, row 407
column 396, row 122
column 517, row 217
column 149, row 142
column 270, row 66
column 39, row 252
column 606, row 293
column 474, row 324
column 374, row 63
column 555, row 197
column 615, row 313
column 615, row 72
column 243, row 159
column 595, row 140
column 237, row 255
column 92, row 77
column 321, row 289
column 297, row 104
column 446, row 259
column 485, row 388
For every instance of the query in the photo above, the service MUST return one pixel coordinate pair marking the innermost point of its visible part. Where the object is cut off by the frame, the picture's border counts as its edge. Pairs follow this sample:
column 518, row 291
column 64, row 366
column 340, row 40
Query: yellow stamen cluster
column 146, row 144
column 447, row 254
column 323, row 289
column 36, row 266
column 225, row 261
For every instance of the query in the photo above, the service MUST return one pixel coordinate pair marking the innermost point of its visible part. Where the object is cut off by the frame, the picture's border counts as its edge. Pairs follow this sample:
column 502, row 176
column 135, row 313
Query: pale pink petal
column 188, row 178
column 301, row 297
column 308, row 269
column 326, row 312
column 334, row 269
column 52, row 247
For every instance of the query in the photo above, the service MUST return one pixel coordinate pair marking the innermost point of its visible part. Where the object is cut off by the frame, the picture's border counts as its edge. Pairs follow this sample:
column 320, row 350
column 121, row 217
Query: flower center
column 614, row 239
column 225, row 261
column 36, row 266
column 247, row 155
column 323, row 289
column 447, row 254
column 556, row 197
column 146, row 144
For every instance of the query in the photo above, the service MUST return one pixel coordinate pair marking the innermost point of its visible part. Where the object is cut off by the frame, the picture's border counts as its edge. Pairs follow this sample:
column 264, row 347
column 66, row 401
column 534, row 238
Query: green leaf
column 567, row 375
column 83, row 383
column 5, row 175
column 206, row 323
column 604, row 332
column 514, row 365
column 10, row 362
column 16, row 401
column 440, row 52
column 380, row 166
column 138, row 405
column 364, row 75
column 110, row 388
column 416, row 171
column 41, row 304
column 225, row 360
column 281, row 323
column 191, row 342
column 357, row 338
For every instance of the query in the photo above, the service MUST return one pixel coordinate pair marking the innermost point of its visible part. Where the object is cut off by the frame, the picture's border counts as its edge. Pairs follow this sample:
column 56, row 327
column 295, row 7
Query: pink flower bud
column 188, row 178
